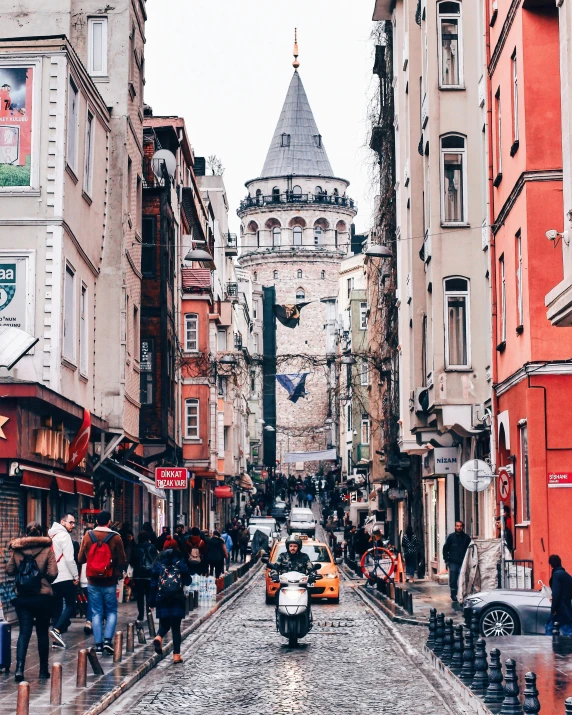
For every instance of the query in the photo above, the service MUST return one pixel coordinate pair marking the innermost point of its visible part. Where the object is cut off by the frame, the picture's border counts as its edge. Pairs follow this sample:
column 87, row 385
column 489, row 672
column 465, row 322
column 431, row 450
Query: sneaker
column 177, row 658
column 88, row 629
column 107, row 646
column 56, row 635
column 99, row 649
column 158, row 645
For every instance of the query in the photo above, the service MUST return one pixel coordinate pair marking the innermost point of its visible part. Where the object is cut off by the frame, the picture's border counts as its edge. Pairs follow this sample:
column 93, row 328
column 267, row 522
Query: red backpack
column 99, row 560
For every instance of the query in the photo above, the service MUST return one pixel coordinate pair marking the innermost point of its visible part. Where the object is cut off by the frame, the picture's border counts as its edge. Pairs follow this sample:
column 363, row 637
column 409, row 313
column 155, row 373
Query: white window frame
column 318, row 235
column 519, row 291
column 190, row 405
column 363, row 315
column 300, row 294
column 297, row 231
column 365, row 425
column 191, row 318
column 524, row 473
column 72, row 125
column 364, row 372
column 450, row 16
column 69, row 320
column 83, row 327
column 455, row 150
column 514, row 61
column 91, row 23
column 498, row 137
column 503, row 297
column 89, row 153
column 276, row 236
column 349, row 417
column 221, row 340
column 451, row 294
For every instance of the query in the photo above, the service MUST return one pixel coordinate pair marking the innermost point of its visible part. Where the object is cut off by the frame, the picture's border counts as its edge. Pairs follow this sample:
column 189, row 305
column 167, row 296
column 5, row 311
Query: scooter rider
column 294, row 560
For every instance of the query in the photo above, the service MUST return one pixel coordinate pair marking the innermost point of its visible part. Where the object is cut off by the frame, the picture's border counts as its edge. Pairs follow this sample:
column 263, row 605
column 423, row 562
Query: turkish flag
column 78, row 448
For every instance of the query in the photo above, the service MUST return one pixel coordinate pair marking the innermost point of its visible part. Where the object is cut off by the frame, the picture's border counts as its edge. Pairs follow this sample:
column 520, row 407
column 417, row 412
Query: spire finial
column 296, row 64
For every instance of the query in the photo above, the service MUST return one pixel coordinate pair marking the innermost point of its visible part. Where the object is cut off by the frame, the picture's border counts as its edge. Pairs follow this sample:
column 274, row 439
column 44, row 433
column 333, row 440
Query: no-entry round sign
column 504, row 486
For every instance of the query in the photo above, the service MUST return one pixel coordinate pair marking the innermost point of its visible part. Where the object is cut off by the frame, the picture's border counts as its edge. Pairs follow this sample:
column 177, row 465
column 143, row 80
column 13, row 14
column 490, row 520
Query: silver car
column 507, row 612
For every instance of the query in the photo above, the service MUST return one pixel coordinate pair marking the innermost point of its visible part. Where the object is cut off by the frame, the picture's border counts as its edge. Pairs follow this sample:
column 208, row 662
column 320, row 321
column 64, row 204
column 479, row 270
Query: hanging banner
column 16, row 85
column 78, row 448
column 289, row 315
column 295, row 385
column 317, row 456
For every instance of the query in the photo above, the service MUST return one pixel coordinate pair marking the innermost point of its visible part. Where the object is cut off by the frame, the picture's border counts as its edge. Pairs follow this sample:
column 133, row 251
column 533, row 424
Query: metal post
column 81, row 681
column 141, row 636
column 130, row 645
column 118, row 647
column 23, row 702
column 503, row 566
column 151, row 624
column 56, row 689
column 196, row 597
column 94, row 662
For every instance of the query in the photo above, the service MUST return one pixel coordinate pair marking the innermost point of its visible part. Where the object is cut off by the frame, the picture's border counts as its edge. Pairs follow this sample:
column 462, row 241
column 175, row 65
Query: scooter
column 293, row 615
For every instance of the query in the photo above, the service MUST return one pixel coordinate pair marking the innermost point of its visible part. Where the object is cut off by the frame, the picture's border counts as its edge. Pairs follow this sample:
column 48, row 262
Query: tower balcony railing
column 290, row 197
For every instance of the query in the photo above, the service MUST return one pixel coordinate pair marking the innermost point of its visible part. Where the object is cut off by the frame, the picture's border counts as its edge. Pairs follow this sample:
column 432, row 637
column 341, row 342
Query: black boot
column 19, row 674
column 44, row 673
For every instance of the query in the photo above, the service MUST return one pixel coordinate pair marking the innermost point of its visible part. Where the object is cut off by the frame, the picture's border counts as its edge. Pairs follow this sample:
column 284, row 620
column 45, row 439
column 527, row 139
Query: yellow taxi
column 328, row 577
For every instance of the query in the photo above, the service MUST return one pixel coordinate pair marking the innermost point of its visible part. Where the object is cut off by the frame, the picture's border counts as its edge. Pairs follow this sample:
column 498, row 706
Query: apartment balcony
column 155, row 175
column 291, row 197
column 232, row 291
column 230, row 244
column 197, row 280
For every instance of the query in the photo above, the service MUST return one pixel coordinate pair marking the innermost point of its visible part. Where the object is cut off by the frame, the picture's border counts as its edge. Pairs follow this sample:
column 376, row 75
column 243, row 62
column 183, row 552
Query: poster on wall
column 13, row 291
column 15, row 125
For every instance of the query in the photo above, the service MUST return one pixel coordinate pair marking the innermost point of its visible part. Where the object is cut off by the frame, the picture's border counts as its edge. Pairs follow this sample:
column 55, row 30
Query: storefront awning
column 84, row 487
column 113, row 469
column 35, row 480
column 206, row 474
column 65, row 484
column 246, row 482
column 151, row 488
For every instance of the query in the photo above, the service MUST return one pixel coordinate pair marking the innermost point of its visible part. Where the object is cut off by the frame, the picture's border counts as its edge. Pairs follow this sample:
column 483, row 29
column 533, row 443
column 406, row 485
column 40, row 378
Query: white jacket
column 63, row 551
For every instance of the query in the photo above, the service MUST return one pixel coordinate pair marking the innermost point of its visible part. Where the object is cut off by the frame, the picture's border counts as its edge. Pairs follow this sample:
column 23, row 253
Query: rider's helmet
column 294, row 539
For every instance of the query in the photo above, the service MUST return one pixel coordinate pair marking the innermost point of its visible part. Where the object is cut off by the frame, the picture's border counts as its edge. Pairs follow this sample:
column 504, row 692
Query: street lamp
column 228, row 361
column 269, row 428
column 378, row 251
column 198, row 254
column 348, row 360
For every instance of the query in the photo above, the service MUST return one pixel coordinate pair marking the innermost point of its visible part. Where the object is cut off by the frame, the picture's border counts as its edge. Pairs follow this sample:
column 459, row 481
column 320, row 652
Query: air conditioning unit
column 421, row 399
column 478, row 416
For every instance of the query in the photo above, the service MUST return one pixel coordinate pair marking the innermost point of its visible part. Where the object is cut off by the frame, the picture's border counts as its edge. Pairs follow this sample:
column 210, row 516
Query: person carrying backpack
column 33, row 564
column 169, row 576
column 216, row 554
column 143, row 558
column 227, row 538
column 65, row 586
column 195, row 552
column 102, row 551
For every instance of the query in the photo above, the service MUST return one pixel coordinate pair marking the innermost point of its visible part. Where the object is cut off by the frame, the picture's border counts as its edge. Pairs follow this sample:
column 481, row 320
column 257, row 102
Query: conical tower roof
column 296, row 147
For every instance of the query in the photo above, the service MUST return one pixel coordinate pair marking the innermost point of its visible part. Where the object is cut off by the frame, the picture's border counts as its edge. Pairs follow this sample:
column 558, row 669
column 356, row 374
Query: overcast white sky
column 225, row 66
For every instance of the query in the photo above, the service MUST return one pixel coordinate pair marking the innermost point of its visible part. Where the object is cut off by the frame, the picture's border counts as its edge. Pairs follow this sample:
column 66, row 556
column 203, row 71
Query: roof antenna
column 296, row 64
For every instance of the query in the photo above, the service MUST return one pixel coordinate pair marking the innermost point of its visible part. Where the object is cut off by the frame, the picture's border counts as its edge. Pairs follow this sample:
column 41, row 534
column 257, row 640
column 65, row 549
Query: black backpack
column 170, row 584
column 147, row 558
column 28, row 576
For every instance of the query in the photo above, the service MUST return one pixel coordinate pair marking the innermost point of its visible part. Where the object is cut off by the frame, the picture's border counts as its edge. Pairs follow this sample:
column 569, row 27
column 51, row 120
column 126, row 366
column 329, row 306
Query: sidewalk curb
column 154, row 659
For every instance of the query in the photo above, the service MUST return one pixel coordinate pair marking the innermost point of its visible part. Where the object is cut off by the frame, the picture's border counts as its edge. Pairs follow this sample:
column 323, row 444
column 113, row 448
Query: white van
column 301, row 521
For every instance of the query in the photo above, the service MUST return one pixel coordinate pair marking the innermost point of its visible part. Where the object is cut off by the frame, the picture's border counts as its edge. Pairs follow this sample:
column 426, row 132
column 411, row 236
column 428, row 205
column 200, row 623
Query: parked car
column 507, row 612
column 302, row 521
column 279, row 511
column 253, row 528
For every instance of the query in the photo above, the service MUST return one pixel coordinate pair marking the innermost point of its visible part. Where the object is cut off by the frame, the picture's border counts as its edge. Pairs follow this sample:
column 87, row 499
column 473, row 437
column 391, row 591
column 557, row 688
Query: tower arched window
column 275, row 275
column 297, row 235
column 296, row 193
column 276, row 194
column 276, row 236
column 255, row 275
column 299, row 273
column 323, row 275
column 300, row 294
column 318, row 233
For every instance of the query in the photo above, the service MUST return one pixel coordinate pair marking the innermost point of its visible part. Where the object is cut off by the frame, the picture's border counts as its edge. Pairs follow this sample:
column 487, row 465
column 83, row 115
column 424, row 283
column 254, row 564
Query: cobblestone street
column 350, row 663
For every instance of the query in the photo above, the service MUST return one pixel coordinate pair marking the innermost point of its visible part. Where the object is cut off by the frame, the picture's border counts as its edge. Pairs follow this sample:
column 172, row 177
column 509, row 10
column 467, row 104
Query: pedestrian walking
column 243, row 540
column 561, row 585
column 227, row 538
column 128, row 539
column 65, row 586
column 33, row 564
column 351, row 543
column 83, row 584
column 165, row 534
column 216, row 554
column 143, row 558
column 410, row 544
column 196, row 552
column 180, row 537
column 233, row 533
column 102, row 551
column 149, row 529
column 454, row 550
column 168, row 578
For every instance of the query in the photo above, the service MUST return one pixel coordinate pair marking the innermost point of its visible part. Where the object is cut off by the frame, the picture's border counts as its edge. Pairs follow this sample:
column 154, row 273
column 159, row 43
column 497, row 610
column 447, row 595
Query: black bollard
column 432, row 628
column 439, row 634
column 568, row 706
column 447, row 653
column 556, row 632
column 458, row 648
column 468, row 614
column 475, row 630
column 511, row 704
column 481, row 680
column 495, row 691
column 468, row 669
column 531, row 702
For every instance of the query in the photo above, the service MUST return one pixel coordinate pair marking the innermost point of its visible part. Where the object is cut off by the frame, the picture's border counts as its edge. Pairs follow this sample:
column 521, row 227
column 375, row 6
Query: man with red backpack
column 102, row 552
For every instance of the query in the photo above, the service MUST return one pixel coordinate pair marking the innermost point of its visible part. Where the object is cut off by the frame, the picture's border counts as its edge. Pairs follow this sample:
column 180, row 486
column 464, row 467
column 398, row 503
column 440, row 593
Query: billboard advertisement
column 14, row 291
column 16, row 84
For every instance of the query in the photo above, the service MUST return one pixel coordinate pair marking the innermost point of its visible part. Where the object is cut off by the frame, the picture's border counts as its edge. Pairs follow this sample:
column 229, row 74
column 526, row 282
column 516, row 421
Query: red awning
column 223, row 492
column 65, row 484
column 84, row 487
column 35, row 480
column 196, row 279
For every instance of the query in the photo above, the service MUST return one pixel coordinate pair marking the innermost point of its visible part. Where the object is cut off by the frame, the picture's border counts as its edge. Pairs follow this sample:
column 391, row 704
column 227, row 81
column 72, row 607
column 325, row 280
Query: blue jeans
column 454, row 571
column 103, row 600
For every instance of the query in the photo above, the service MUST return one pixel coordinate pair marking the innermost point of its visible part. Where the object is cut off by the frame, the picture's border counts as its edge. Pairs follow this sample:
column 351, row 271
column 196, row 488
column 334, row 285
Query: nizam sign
column 171, row 477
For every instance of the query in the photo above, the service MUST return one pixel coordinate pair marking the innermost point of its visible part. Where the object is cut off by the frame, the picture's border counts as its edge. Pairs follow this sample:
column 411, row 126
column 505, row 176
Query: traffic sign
column 504, row 486
column 475, row 475
column 171, row 477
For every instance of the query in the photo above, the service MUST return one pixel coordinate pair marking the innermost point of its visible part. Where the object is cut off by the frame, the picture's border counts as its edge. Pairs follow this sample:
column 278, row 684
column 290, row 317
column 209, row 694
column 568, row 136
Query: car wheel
column 499, row 621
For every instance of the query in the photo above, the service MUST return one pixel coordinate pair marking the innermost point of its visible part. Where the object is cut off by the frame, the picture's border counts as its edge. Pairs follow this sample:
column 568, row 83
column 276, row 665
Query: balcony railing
column 292, row 198
column 231, row 244
column 155, row 173
column 232, row 290
column 237, row 341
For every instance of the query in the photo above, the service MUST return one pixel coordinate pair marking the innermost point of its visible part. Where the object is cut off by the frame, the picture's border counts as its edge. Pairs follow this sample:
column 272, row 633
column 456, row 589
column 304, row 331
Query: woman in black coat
column 170, row 606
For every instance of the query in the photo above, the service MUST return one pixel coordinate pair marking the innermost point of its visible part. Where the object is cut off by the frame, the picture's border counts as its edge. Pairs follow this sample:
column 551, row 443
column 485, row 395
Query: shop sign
column 446, row 460
column 14, row 291
column 16, row 112
column 171, row 477
column 560, row 479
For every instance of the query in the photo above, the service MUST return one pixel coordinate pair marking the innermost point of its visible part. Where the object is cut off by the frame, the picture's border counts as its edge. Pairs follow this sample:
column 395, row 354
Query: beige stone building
column 295, row 231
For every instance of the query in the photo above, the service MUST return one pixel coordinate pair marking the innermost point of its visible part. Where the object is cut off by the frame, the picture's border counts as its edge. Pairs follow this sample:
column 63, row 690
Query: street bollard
column 495, row 691
column 94, row 662
column 439, row 634
column 56, row 689
column 410, row 596
column 567, row 706
column 556, row 632
column 531, row 703
column 458, row 648
column 392, row 591
column 511, row 704
column 481, row 680
column 196, row 597
column 130, row 644
column 475, row 630
column 186, row 605
column 23, row 701
column 447, row 653
column 141, row 636
column 467, row 617
column 81, row 680
column 432, row 628
column 468, row 670
column 191, row 601
column 151, row 624
column 118, row 647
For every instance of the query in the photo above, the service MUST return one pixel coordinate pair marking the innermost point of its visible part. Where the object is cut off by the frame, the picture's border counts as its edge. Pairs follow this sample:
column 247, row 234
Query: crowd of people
column 56, row 577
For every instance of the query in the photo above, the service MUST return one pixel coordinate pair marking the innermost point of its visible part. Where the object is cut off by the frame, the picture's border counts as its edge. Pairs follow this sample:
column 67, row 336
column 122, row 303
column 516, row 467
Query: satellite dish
column 475, row 475
column 169, row 158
